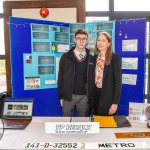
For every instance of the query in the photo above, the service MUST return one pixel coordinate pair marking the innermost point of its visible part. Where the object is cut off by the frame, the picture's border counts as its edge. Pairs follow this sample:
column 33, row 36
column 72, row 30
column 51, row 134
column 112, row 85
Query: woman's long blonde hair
column 109, row 52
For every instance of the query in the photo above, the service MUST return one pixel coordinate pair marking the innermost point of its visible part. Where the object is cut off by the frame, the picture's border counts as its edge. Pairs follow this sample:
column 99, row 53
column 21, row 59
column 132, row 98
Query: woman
column 108, row 77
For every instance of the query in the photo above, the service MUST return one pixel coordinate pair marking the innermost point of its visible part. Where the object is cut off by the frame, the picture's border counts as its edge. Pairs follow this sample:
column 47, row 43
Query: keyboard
column 16, row 121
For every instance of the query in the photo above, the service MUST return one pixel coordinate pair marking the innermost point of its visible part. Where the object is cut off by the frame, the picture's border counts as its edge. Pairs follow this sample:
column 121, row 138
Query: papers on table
column 112, row 121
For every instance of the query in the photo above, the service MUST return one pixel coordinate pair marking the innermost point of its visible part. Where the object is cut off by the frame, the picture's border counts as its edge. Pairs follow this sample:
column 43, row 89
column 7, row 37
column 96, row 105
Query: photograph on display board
column 40, row 35
column 41, row 46
column 75, row 27
column 32, row 82
column 130, row 63
column 61, row 37
column 54, row 29
column 130, row 79
column 28, row 59
column 62, row 48
column 130, row 45
column 64, row 29
column 45, row 60
column 45, row 69
column 40, row 27
column 104, row 26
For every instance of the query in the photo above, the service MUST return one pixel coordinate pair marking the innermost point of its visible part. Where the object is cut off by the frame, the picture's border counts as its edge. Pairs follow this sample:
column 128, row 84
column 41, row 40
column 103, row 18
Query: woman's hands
column 113, row 109
column 61, row 102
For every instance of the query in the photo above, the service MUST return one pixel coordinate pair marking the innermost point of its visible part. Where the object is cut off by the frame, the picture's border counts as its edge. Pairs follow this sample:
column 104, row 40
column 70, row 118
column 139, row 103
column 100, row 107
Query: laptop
column 17, row 112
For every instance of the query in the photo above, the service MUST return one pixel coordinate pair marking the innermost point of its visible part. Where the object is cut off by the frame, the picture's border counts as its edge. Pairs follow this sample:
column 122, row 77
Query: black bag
column 2, row 96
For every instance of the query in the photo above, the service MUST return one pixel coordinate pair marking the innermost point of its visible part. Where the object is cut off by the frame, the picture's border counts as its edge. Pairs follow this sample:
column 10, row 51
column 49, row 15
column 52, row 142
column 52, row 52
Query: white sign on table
column 71, row 127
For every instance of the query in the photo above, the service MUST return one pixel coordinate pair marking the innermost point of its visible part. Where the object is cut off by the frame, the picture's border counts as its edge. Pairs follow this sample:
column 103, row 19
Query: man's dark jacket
column 66, row 76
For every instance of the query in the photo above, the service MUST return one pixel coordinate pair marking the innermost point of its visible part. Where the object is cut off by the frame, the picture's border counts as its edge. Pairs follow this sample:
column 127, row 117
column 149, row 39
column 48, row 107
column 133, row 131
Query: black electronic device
column 17, row 112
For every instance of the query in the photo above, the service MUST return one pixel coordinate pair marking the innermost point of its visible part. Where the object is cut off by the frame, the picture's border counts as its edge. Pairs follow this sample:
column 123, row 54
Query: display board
column 23, row 55
column 130, row 45
column 36, row 48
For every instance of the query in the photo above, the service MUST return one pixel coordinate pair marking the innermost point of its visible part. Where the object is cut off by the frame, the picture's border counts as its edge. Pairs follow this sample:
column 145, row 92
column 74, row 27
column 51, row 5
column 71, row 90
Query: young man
column 76, row 78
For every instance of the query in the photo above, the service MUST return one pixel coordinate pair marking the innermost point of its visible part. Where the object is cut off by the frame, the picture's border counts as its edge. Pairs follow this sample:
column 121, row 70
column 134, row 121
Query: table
column 35, row 132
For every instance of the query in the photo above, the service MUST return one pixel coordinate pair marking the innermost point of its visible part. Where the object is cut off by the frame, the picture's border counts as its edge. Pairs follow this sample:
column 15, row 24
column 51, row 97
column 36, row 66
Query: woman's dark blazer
column 111, row 87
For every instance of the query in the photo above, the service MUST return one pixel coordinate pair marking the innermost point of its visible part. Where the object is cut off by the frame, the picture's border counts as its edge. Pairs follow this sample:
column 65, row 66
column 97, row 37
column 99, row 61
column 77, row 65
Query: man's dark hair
column 81, row 31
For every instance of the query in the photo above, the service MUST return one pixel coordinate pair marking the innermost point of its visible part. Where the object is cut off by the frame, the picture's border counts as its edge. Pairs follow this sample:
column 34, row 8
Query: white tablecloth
column 35, row 132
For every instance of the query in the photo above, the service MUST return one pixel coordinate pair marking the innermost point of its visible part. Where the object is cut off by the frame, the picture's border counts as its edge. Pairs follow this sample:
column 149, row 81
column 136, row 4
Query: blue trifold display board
column 25, row 51
column 126, row 31
column 46, row 102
